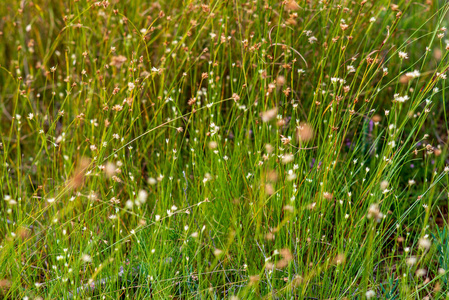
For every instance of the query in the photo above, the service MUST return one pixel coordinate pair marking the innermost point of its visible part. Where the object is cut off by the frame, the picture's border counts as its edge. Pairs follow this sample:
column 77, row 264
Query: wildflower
column 424, row 243
column 287, row 158
column 152, row 181
column 290, row 175
column 109, row 169
column 269, row 114
column 401, row 99
column 421, row 272
column 328, row 195
column 129, row 204
column 350, row 69
column 285, row 140
column 304, row 132
column 291, row 5
column 312, row 40
column 289, row 208
column 142, row 196
column 403, row 55
column 213, row 145
column 117, row 61
column 117, row 107
column 214, row 129
column 116, row 179
column 442, row 75
column 86, row 258
column 376, row 119
column 374, row 213
column 370, row 294
column 308, row 32
column 269, row 148
column 413, row 74
column 280, row 81
column 411, row 260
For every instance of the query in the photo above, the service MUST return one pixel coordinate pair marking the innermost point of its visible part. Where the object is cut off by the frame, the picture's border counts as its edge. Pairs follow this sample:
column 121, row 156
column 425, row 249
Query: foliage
column 264, row 149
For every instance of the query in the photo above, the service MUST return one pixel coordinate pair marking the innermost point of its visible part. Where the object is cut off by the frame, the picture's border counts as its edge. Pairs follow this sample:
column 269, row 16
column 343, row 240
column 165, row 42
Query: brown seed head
column 77, row 179
column 118, row 61
column 304, row 132
column 291, row 5
column 377, row 118
column 269, row 114
column 280, row 81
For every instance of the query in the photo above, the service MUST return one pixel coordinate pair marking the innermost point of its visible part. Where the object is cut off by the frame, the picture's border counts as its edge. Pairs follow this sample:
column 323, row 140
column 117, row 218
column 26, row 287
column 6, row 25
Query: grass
column 223, row 149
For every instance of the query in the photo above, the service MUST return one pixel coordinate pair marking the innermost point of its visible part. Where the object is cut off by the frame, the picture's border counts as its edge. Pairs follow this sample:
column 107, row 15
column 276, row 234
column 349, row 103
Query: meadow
column 223, row 149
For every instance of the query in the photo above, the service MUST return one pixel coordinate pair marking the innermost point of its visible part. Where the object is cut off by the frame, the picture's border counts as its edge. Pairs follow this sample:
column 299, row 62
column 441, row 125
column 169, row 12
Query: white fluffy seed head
column 142, row 196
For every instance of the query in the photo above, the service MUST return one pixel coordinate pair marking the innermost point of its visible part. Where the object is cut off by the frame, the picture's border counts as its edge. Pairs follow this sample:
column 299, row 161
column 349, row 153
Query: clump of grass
column 223, row 150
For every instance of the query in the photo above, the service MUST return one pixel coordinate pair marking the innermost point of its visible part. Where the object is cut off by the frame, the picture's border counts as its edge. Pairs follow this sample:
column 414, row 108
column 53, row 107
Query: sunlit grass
column 224, row 149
